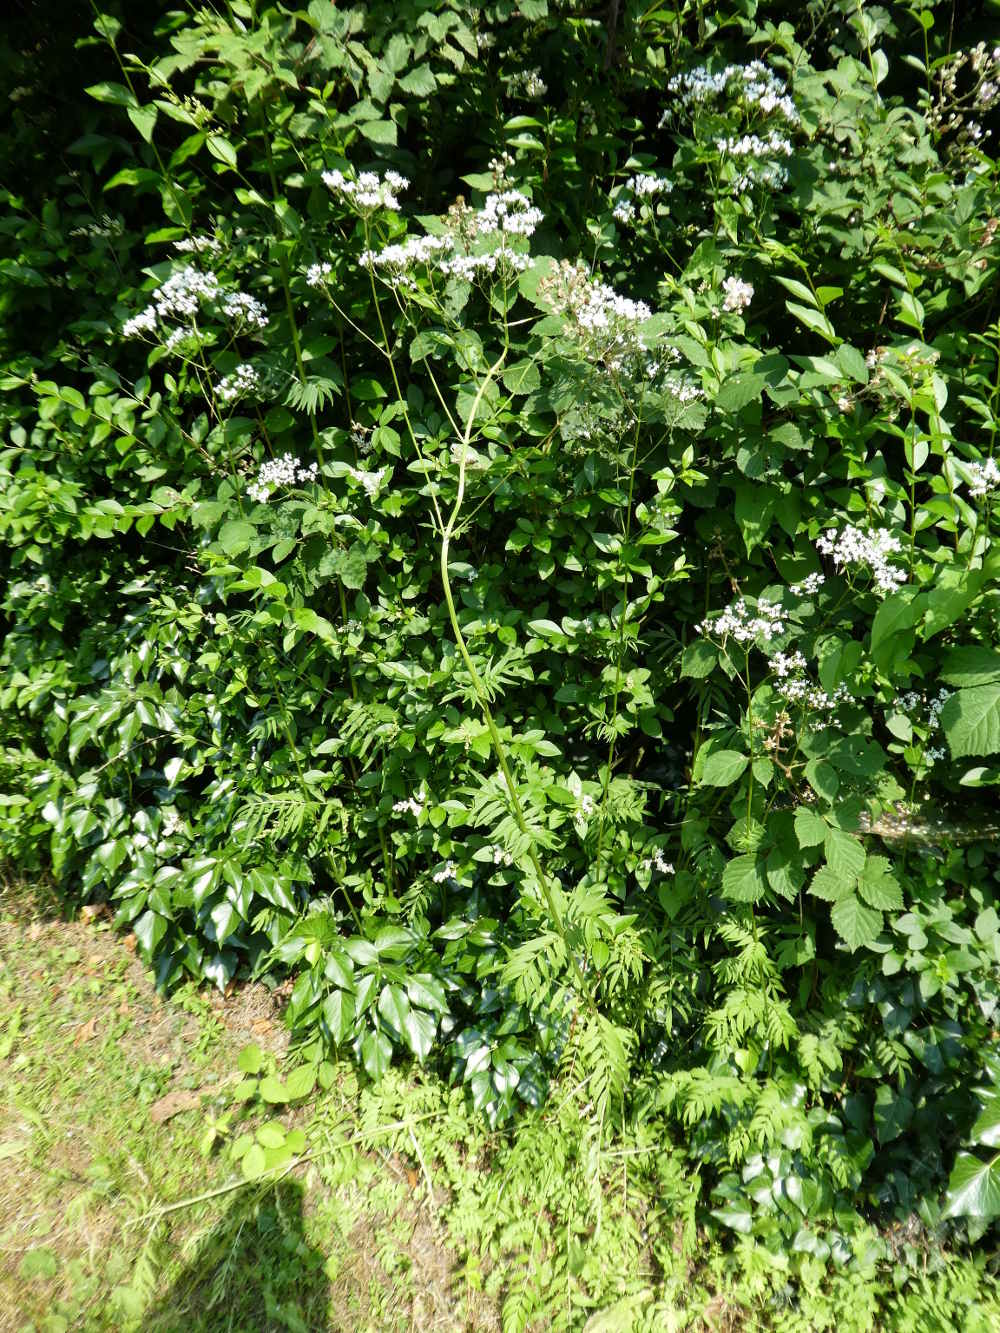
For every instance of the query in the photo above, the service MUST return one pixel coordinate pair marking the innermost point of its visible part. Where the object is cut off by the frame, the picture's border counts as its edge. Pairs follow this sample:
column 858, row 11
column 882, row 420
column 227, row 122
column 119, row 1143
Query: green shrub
column 498, row 528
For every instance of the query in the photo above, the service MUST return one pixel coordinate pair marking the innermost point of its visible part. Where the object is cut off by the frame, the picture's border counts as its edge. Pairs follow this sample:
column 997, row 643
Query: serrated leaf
column 810, row 829
column 856, row 924
column 273, row 1090
column 973, row 665
column 844, row 854
column 829, row 885
column 376, row 1054
column 379, row 131
column 970, row 720
column 743, row 880
column 723, row 767
column 300, row 1082
column 236, row 536
column 700, row 659
column 878, row 887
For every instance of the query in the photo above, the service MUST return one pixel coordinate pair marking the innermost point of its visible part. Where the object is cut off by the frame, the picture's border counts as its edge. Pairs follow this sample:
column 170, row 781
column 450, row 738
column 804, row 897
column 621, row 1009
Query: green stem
column 551, row 902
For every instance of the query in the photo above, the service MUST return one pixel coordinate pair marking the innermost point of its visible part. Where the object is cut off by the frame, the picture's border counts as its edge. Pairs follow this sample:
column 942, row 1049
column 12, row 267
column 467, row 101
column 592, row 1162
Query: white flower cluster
column 198, row 245
column 754, row 85
column 851, row 546
column 786, row 664
column 448, row 871
column 243, row 380
column 368, row 191
column 504, row 214
column 180, row 297
column 510, row 212
column 799, row 690
column 606, row 323
column 809, row 585
column 245, row 308
column 658, row 863
column 985, row 478
column 413, row 805
column 766, row 621
column 316, row 274
column 586, row 806
column 739, row 294
column 528, row 81
column 396, row 259
column 501, row 857
column 284, row 471
column 638, row 188
column 762, row 155
column 371, row 481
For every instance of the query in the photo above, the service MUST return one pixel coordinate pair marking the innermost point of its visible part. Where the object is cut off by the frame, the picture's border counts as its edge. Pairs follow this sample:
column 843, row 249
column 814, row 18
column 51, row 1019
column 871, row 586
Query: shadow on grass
column 254, row 1272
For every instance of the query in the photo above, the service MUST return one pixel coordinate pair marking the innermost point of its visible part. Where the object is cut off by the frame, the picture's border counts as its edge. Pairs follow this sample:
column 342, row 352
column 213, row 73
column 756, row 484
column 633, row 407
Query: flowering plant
column 528, row 589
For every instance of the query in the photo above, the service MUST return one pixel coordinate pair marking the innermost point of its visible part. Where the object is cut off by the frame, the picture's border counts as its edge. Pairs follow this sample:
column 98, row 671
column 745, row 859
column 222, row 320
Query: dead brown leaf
column 171, row 1104
column 86, row 1031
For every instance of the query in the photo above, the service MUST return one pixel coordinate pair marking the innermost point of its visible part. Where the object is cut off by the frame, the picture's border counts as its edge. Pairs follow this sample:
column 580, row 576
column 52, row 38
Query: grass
column 109, row 1093
column 128, row 1125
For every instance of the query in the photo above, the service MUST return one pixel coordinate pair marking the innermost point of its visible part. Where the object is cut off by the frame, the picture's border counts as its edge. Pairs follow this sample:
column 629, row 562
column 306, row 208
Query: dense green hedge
column 571, row 636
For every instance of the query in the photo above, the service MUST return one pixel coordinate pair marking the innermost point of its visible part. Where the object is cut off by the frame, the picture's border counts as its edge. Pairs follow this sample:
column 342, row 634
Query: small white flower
column 316, row 274
column 985, row 478
column 413, row 805
column 284, row 471
column 448, row 871
column 243, row 380
column 367, row 191
column 852, row 546
column 245, row 308
column 739, row 294
column 809, row 585
column 766, row 621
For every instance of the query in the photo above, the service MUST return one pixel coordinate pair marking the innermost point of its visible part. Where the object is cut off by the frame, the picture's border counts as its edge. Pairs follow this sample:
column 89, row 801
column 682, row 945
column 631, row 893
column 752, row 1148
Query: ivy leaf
column 893, row 1113
column 743, row 880
column 856, row 924
column 974, row 1188
column 986, row 1130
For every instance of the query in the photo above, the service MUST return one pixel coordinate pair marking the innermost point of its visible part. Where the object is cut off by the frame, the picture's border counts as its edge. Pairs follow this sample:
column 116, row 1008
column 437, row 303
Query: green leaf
column 970, row 720
column 810, row 829
column 149, row 930
column 376, row 1054
column 889, row 638
column 254, row 1163
column 394, row 1005
column 893, row 1113
column 829, row 885
column 973, row 665
column 338, row 1010
column 221, row 149
column 144, row 119
column 974, row 1188
column 743, row 880
column 738, row 391
column 856, row 924
column 812, row 319
column 379, row 131
column 878, row 887
column 236, row 536
column 116, row 93
column 986, row 1130
column 700, row 659
column 250, row 1060
column 844, row 854
column 300, row 1082
column 273, row 1090
column 419, row 1030
column 723, row 767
